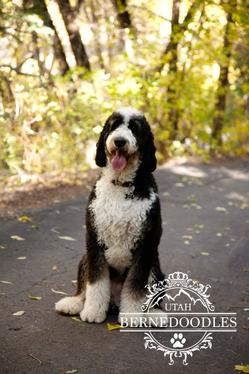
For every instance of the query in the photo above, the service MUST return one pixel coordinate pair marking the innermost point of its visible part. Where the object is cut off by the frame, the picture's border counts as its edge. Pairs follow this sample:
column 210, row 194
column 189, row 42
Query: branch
column 18, row 71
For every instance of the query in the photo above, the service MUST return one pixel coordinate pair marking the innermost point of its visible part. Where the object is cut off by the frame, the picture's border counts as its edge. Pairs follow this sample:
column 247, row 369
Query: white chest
column 118, row 221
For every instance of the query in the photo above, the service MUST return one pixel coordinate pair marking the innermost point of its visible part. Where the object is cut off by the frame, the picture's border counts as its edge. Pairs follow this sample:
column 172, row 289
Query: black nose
column 119, row 142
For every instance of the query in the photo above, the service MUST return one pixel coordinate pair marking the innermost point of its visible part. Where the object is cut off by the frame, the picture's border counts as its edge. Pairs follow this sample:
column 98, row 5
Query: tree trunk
column 78, row 48
column 171, row 52
column 96, row 33
column 223, row 82
column 39, row 7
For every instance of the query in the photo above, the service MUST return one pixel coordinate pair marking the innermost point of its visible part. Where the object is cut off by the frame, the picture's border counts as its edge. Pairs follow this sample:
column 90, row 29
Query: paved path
column 208, row 203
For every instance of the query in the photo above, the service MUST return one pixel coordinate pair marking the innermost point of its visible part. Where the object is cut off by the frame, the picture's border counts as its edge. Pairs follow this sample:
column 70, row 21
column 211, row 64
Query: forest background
column 66, row 65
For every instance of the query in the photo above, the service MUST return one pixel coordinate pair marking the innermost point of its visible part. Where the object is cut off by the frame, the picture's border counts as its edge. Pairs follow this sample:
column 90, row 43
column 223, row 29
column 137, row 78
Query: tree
column 170, row 57
column 69, row 16
column 223, row 82
column 39, row 8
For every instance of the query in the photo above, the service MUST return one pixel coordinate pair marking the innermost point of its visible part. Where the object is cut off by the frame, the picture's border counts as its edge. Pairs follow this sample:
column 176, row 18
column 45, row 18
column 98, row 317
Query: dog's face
column 126, row 141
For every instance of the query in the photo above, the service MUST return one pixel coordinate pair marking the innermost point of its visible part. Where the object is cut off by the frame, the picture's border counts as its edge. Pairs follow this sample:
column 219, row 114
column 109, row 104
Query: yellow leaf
column 76, row 319
column 35, row 297
column 19, row 313
column 21, row 258
column 24, row 219
column 6, row 282
column 188, row 237
column 69, row 238
column 113, row 326
column 242, row 368
column 220, row 209
column 17, row 237
column 59, row 292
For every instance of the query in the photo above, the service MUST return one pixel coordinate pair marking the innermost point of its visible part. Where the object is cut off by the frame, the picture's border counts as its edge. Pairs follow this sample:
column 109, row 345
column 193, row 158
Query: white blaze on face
column 128, row 112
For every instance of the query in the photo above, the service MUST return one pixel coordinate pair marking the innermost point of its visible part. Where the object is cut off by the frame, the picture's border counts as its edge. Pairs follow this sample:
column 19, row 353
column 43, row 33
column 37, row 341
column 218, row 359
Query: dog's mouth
column 119, row 160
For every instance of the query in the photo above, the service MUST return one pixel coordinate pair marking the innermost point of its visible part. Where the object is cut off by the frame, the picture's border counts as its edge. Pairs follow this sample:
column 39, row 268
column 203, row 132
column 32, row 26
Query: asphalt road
column 205, row 219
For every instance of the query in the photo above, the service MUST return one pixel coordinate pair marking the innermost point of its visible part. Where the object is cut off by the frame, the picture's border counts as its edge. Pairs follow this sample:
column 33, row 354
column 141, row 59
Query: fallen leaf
column 2, row 246
column 77, row 319
column 59, row 292
column 246, row 309
column 246, row 269
column 36, row 227
column 220, row 209
column 17, row 237
column 242, row 368
column 67, row 238
column 71, row 371
column 189, row 237
column 21, row 258
column 74, row 281
column 205, row 253
column 186, row 242
column 165, row 193
column 113, row 326
column 6, row 282
column 24, row 219
column 54, row 230
column 19, row 313
column 219, row 234
column 35, row 297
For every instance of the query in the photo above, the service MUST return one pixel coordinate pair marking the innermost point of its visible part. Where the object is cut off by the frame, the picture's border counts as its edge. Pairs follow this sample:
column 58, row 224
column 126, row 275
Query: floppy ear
column 100, row 158
column 149, row 160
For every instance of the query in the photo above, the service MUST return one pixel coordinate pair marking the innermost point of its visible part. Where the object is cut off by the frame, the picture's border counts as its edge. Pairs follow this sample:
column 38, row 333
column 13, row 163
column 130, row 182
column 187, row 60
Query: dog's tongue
column 118, row 162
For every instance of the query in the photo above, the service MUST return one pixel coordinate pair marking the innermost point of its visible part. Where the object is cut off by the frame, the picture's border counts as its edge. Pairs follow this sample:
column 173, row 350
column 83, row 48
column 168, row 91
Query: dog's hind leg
column 74, row 304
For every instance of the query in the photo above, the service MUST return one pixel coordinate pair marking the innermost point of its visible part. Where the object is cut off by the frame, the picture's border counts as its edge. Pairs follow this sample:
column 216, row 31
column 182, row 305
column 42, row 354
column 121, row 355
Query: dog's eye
column 134, row 125
column 115, row 124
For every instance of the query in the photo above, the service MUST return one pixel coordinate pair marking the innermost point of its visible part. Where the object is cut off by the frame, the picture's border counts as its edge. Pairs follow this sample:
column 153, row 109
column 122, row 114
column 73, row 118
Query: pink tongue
column 118, row 162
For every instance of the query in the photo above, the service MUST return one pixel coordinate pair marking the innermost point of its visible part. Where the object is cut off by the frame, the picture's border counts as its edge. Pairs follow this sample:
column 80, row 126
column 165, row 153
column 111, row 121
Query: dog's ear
column 149, row 160
column 100, row 158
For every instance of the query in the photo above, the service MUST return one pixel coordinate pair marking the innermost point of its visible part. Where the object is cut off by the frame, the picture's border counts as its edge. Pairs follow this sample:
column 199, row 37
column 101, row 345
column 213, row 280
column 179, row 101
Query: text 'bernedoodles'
column 123, row 222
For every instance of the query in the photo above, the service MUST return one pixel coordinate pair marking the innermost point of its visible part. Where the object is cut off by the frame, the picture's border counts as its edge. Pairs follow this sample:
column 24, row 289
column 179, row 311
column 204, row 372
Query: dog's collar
column 116, row 182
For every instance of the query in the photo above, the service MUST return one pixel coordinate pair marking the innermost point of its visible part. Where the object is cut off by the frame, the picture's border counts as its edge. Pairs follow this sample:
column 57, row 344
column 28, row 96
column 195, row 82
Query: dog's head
column 125, row 141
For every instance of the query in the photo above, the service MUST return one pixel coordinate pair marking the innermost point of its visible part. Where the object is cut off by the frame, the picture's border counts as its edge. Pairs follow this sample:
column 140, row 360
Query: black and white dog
column 123, row 222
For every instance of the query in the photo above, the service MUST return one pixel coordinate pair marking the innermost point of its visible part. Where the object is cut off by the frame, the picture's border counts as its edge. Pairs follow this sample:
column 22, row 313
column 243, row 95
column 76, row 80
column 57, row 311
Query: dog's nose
column 119, row 142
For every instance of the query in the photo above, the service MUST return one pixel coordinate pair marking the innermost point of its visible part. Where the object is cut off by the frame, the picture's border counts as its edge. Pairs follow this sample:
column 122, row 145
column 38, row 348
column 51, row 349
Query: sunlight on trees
column 66, row 65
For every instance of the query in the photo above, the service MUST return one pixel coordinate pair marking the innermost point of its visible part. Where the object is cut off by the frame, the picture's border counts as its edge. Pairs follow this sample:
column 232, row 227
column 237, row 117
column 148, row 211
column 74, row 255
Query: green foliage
column 47, row 120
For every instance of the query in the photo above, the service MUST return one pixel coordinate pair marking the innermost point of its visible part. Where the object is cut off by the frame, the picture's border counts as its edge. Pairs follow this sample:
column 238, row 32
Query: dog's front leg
column 97, row 298
column 98, row 285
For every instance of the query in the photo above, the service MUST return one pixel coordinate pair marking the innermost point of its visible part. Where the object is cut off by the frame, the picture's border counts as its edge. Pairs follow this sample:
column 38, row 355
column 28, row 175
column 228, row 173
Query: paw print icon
column 178, row 340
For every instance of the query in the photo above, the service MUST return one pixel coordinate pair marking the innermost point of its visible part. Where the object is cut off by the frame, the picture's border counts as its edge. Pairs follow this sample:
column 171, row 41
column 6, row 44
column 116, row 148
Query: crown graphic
column 178, row 278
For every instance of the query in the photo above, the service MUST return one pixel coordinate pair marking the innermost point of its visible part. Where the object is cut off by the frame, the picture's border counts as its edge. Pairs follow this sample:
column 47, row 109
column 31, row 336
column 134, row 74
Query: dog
column 123, row 221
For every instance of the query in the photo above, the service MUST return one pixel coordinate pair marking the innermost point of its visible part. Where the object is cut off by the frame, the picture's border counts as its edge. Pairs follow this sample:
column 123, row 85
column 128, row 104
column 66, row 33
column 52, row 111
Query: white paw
column 93, row 315
column 69, row 305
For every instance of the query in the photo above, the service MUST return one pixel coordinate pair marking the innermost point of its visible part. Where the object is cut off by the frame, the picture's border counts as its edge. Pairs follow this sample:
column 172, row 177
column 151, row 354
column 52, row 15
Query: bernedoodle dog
column 123, row 221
